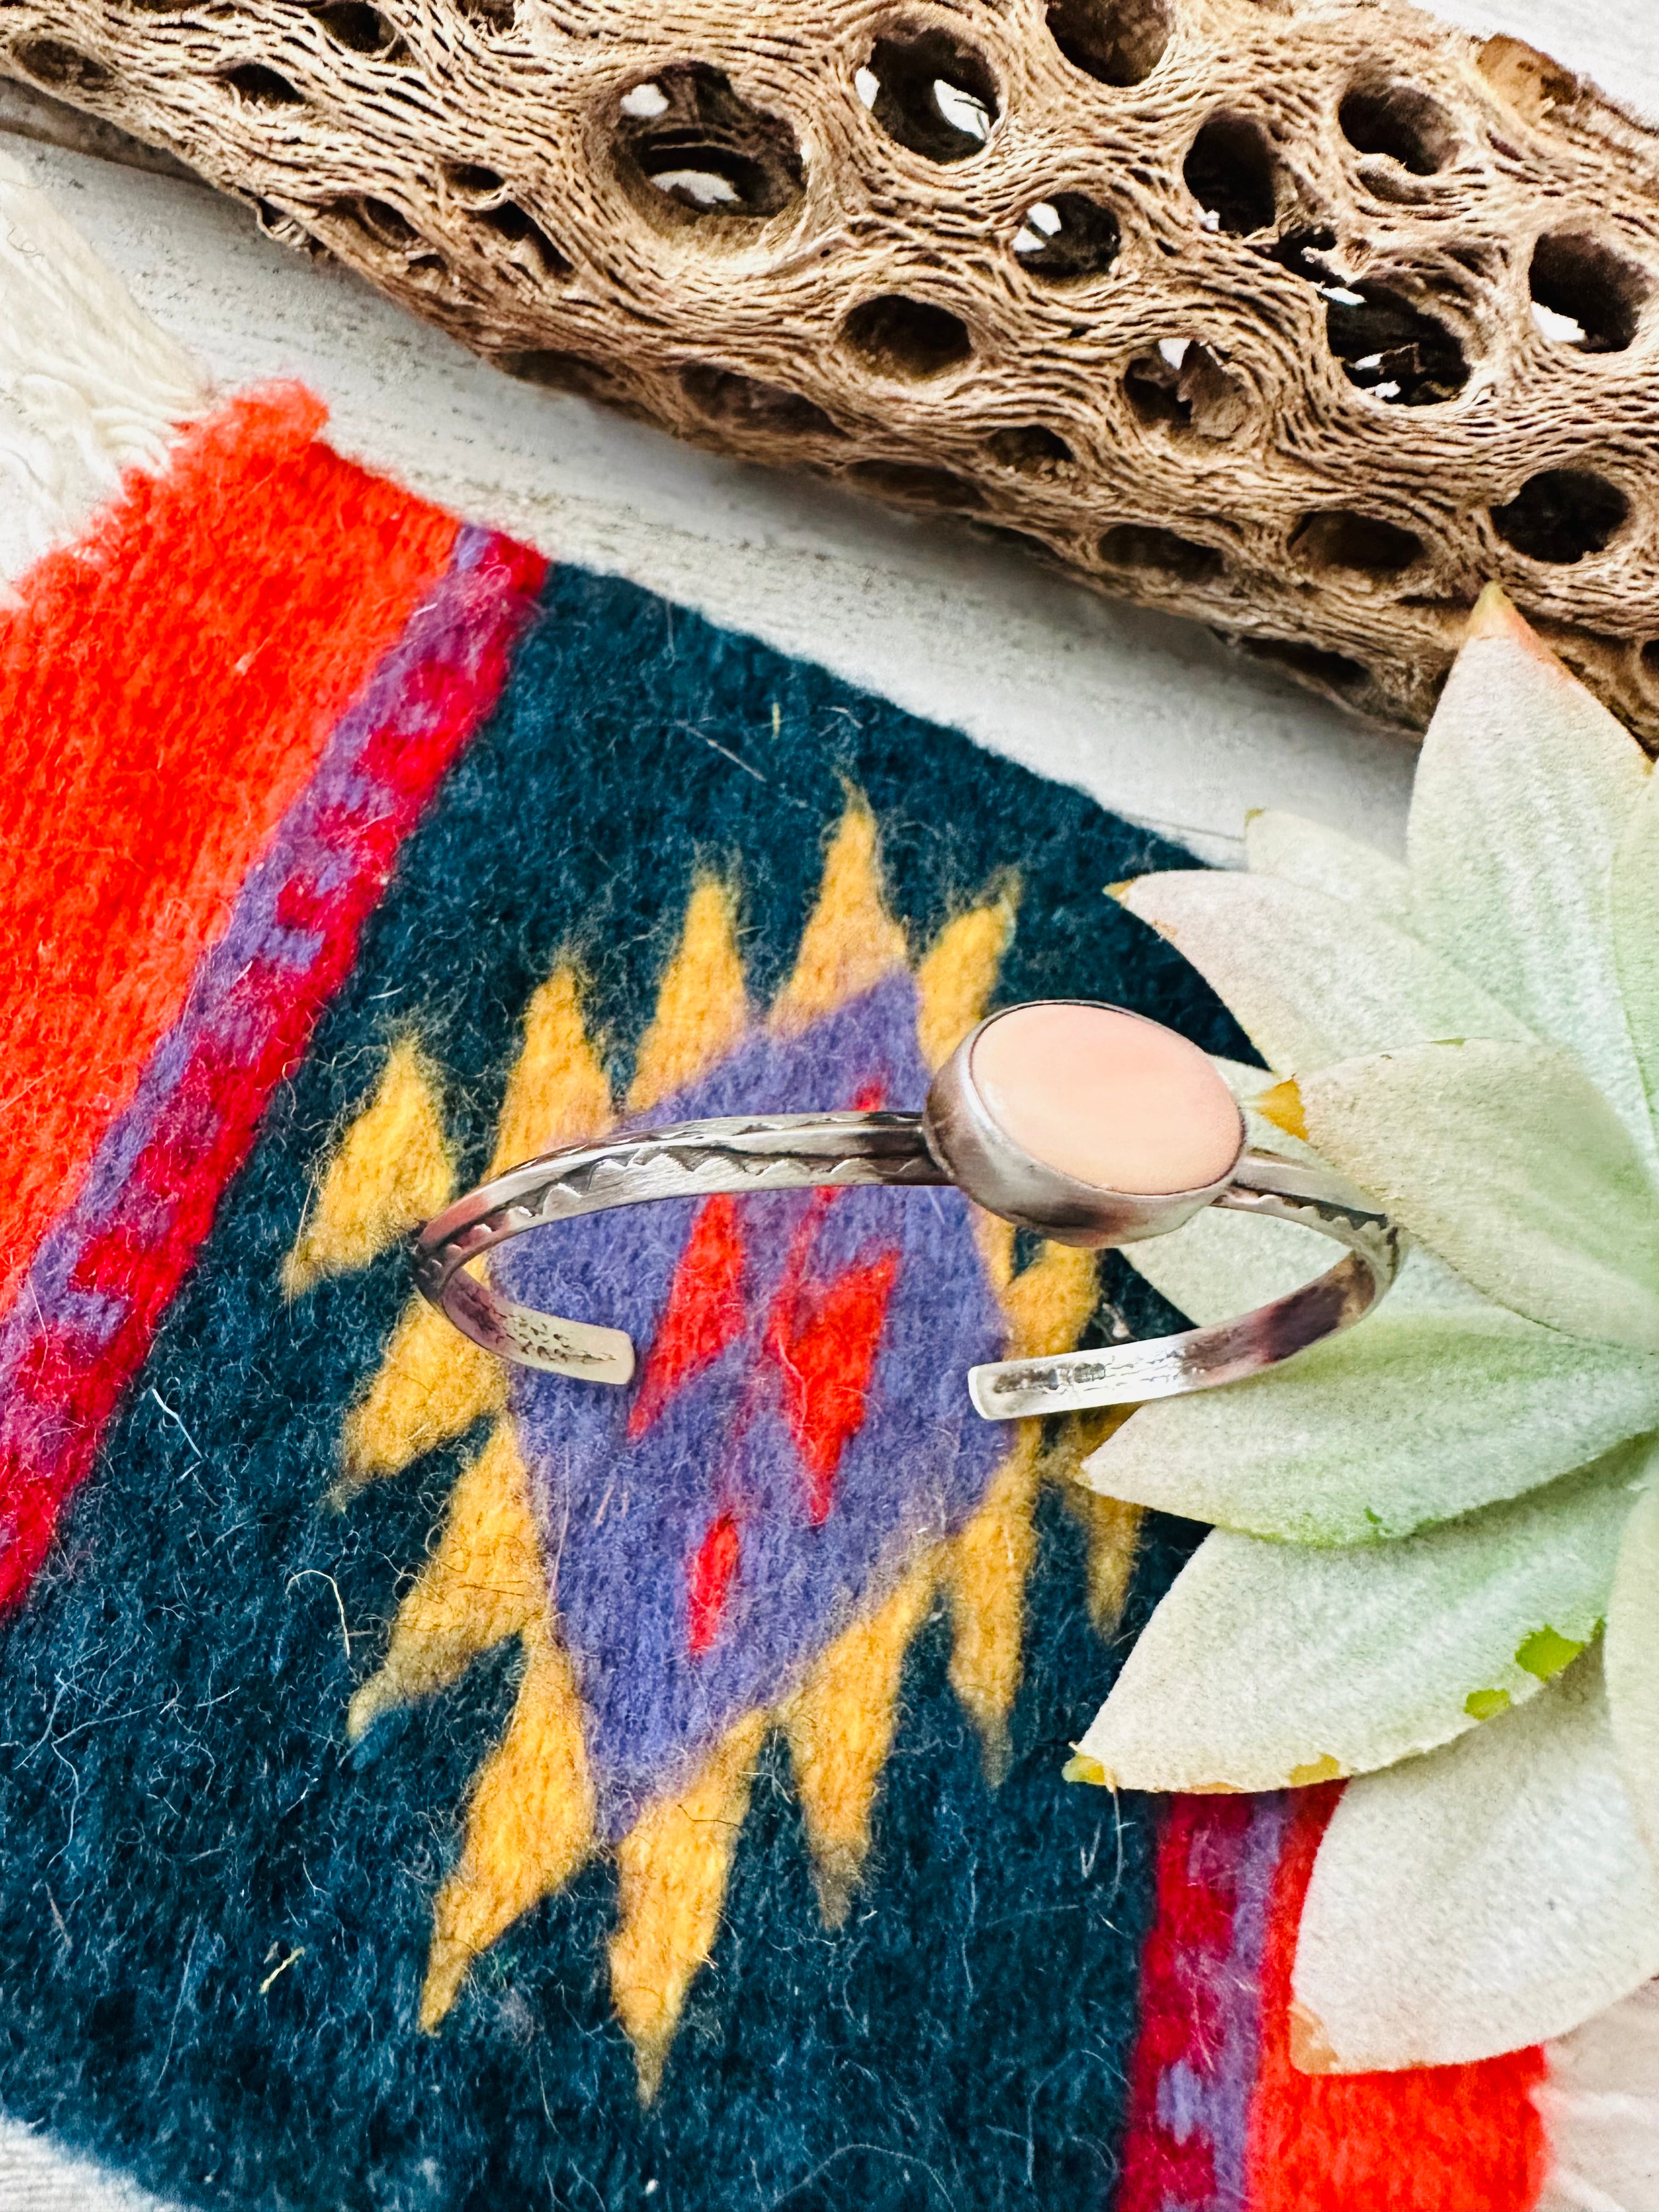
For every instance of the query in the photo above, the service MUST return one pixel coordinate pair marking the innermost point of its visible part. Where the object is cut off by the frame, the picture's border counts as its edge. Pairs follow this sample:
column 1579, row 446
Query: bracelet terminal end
column 579, row 1349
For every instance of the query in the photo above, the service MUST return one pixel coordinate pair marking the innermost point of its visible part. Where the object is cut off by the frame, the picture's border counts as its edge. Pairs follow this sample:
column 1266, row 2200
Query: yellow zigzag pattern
column 530, row 1819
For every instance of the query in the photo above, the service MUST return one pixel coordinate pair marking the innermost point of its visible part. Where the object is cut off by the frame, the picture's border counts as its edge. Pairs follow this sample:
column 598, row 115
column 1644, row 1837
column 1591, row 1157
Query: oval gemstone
column 1107, row 1097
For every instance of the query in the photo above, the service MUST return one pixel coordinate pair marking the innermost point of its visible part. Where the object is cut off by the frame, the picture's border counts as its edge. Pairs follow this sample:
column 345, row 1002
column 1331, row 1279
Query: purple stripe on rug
column 87, row 1311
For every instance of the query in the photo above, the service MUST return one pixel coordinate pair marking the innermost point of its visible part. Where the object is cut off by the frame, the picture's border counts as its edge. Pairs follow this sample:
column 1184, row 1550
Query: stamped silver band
column 776, row 1152
column 1226, row 1351
column 799, row 1151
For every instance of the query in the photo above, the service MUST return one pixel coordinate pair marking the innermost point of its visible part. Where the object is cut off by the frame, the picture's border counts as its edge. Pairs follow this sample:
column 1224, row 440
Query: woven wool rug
column 425, row 1788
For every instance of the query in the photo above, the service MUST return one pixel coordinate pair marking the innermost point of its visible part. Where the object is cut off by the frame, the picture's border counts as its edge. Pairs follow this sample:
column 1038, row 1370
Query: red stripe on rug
column 1193, row 2075
column 1439, row 2139
column 1191, row 1927
column 167, row 686
column 86, row 1313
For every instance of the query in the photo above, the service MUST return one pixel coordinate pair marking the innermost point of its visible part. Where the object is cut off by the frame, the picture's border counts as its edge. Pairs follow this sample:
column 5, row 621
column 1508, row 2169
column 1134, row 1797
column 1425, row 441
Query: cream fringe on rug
column 88, row 388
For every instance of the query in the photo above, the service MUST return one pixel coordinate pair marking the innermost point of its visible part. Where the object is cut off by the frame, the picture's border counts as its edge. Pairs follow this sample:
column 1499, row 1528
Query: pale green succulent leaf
column 1489, row 1897
column 1269, row 1664
column 1632, row 1664
column 1299, row 851
column 1222, row 1263
column 1414, row 1416
column 1426, row 1284
column 1509, row 1165
column 1636, row 932
column 1310, row 979
column 1524, row 790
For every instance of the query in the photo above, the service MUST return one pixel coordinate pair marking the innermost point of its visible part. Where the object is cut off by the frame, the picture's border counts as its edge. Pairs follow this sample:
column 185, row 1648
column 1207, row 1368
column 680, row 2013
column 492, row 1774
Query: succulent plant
column 1434, row 1562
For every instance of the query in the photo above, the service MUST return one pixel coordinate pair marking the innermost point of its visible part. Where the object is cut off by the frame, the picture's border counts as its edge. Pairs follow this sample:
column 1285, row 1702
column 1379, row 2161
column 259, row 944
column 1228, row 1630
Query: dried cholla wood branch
column 1304, row 319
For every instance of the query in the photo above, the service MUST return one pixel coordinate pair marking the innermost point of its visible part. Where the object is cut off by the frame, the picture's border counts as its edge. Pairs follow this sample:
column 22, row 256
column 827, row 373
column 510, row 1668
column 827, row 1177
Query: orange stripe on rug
column 1438, row 2139
column 166, row 687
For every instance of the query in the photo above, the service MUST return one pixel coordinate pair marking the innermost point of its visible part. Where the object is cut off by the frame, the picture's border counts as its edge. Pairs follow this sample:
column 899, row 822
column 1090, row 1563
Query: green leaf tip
column 1487, row 1705
column 1496, row 616
column 1546, row 1652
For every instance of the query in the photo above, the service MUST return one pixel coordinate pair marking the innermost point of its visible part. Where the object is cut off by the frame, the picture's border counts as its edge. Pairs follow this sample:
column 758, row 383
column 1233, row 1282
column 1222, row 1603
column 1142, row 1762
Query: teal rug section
column 180, row 1813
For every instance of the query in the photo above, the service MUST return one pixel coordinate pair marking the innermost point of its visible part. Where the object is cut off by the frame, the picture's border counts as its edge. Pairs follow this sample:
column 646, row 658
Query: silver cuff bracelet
column 981, row 1104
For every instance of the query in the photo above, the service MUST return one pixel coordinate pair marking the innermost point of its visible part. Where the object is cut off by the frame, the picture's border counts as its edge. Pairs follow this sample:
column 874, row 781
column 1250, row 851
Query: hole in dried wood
column 1184, row 386
column 744, row 403
column 1650, row 660
column 286, row 229
column 1229, row 171
column 1067, row 237
column 1115, row 41
column 1303, row 253
column 386, row 225
column 472, row 183
column 1391, row 349
column 1338, row 537
column 931, row 93
column 261, row 87
column 555, row 371
column 1031, row 448
column 1150, row 385
column 1584, row 295
column 1333, row 672
column 1146, row 547
column 689, row 145
column 922, row 486
column 491, row 16
column 510, row 221
column 1562, row 514
column 1378, row 116
column 909, row 340
column 66, row 68
column 356, row 25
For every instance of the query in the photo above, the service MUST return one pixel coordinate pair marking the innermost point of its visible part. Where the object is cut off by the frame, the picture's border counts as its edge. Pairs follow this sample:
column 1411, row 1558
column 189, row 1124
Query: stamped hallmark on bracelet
column 1087, row 1123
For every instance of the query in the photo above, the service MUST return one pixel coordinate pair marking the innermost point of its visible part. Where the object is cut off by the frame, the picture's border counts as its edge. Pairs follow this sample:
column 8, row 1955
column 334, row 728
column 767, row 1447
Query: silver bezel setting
column 1005, row 1180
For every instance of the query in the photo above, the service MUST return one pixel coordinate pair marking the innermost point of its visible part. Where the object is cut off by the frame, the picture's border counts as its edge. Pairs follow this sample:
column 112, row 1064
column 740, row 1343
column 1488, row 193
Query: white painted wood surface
column 1148, row 715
